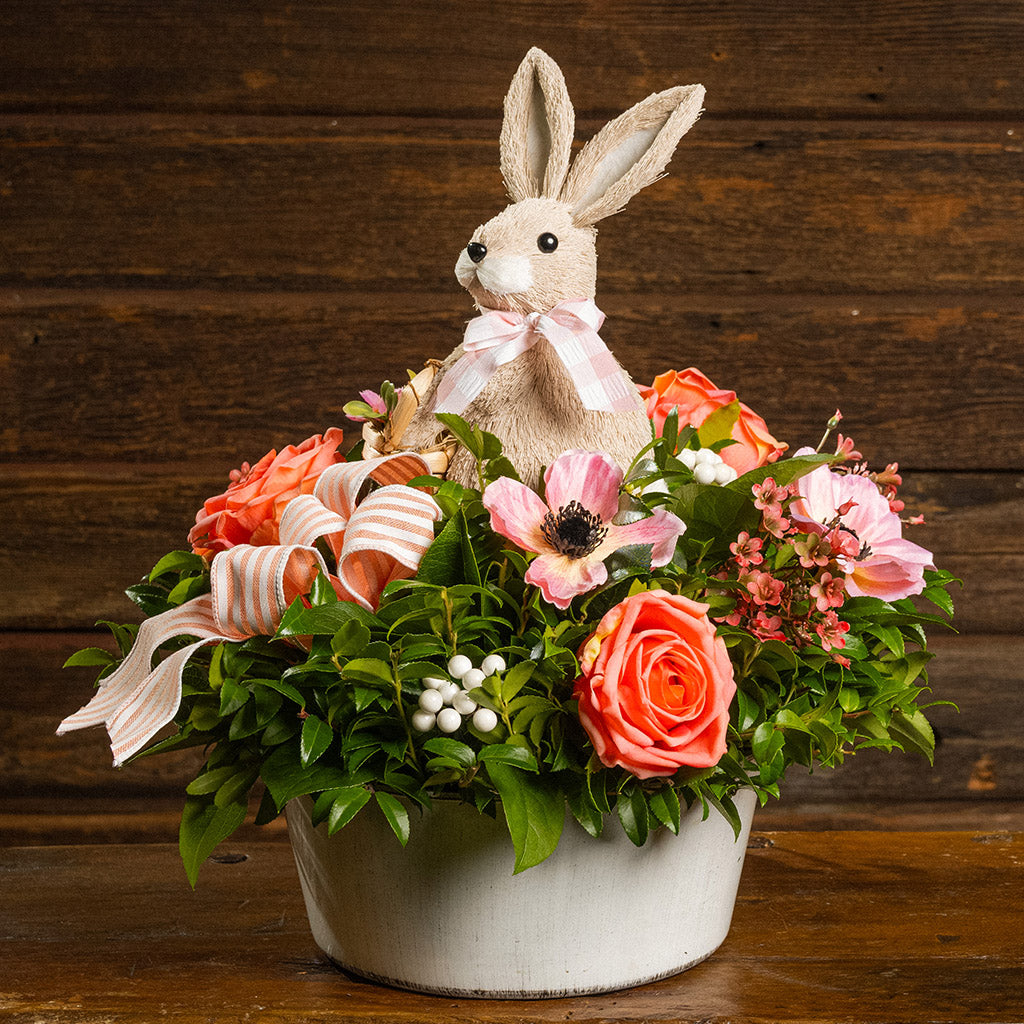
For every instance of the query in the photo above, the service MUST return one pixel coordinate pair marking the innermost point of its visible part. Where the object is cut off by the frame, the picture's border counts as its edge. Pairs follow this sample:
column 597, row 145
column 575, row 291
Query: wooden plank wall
column 218, row 222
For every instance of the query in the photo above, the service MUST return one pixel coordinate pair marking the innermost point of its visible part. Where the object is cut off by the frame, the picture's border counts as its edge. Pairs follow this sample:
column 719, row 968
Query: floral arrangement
column 619, row 643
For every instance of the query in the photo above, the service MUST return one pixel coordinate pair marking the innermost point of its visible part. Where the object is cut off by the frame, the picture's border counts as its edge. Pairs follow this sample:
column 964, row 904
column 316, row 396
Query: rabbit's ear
column 629, row 153
column 536, row 135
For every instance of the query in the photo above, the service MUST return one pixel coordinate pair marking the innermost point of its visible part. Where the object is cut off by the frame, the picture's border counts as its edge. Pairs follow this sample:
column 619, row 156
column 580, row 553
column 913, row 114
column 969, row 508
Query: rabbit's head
column 540, row 250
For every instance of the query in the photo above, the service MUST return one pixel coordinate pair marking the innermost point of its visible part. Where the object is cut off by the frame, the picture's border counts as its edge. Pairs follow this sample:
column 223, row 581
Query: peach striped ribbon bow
column 376, row 540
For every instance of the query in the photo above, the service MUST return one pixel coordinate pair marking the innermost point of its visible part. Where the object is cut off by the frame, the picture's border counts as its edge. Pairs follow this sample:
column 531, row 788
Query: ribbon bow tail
column 571, row 329
column 251, row 587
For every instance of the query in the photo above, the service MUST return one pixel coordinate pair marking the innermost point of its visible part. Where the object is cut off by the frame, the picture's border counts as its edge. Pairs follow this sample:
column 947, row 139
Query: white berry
column 485, row 719
column 688, row 457
column 473, row 678
column 449, row 720
column 434, row 683
column 492, row 664
column 724, row 474
column 448, row 692
column 423, row 721
column 431, row 701
column 464, row 704
column 459, row 666
column 704, row 473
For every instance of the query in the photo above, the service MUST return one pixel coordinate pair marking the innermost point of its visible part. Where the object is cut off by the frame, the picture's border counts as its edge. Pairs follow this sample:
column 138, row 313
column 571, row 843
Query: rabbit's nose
column 476, row 251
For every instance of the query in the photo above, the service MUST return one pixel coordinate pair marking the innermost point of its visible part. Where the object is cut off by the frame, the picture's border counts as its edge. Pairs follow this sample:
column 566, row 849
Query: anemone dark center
column 573, row 531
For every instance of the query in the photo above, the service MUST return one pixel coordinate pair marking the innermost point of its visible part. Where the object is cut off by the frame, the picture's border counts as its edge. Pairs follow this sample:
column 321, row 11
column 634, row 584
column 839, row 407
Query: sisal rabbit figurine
column 532, row 369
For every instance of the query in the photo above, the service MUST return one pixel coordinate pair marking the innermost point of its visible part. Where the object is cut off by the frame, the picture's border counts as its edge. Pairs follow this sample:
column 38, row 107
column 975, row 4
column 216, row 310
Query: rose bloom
column 656, row 686
column 697, row 398
column 249, row 511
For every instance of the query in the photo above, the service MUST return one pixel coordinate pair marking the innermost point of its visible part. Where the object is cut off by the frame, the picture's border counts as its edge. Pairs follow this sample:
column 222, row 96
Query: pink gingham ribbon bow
column 376, row 539
column 499, row 336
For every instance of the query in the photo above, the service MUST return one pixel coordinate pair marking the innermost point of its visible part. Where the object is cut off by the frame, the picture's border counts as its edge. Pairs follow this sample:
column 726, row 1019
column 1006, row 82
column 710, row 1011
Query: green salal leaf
column 233, row 695
column 783, row 472
column 322, row 592
column 314, row 740
column 670, row 430
column 396, row 814
column 151, row 599
column 90, row 657
column 441, row 565
column 371, row 671
column 286, row 689
column 323, row 620
column 631, row 808
column 664, row 805
column 725, row 807
column 786, row 719
column 187, row 588
column 351, row 639
column 204, row 826
column 348, row 802
column 286, row 777
column 498, row 467
column 534, row 810
column 464, row 433
column 177, row 561
column 210, row 781
column 586, row 812
column 914, row 732
column 124, row 635
column 236, row 789
column 445, row 746
column 509, row 754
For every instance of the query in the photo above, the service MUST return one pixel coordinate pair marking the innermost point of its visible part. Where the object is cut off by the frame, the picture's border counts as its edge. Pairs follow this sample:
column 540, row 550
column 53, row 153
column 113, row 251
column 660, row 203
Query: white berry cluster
column 707, row 466
column 444, row 703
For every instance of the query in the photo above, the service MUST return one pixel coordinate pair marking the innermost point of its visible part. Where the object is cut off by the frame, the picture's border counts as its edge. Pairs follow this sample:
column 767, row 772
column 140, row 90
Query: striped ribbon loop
column 376, row 540
column 385, row 541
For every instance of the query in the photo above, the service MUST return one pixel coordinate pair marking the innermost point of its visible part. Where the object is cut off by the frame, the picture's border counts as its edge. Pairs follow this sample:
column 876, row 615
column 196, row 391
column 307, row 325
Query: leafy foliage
column 324, row 708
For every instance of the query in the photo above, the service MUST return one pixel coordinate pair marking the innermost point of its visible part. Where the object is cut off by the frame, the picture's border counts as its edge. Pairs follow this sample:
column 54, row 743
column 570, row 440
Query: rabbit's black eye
column 547, row 242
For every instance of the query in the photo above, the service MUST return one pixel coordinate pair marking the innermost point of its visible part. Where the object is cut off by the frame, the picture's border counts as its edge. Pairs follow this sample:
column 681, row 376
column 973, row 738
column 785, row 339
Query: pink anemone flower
column 572, row 533
column 887, row 565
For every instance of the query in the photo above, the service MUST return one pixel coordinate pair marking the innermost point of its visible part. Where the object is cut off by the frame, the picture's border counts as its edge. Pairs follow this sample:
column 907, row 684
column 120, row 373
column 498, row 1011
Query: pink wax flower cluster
column 835, row 535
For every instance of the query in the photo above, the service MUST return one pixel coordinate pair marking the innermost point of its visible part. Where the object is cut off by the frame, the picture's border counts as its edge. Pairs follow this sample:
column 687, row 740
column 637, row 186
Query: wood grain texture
column 293, row 203
column 154, row 376
column 110, row 523
column 222, row 221
column 132, row 818
column 977, row 760
column 837, row 927
column 931, row 58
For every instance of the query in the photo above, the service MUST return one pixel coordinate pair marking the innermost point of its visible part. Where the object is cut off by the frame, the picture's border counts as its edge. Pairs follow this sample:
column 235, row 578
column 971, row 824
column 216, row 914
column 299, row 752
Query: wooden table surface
column 830, row 926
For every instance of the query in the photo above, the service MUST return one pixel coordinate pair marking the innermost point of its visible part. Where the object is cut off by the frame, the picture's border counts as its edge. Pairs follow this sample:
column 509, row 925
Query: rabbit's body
column 540, row 252
column 534, row 407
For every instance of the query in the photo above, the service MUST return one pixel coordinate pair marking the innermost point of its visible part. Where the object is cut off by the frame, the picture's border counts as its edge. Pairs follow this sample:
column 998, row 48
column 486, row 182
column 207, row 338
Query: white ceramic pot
column 446, row 914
